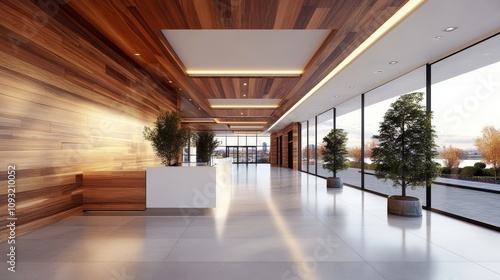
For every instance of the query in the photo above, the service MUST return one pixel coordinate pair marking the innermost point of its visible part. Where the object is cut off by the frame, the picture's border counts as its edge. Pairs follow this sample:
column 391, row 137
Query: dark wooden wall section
column 114, row 190
column 71, row 102
column 294, row 127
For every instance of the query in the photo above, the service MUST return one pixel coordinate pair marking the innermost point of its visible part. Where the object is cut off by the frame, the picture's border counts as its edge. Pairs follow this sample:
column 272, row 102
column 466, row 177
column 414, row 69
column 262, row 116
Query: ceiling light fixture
column 244, row 84
column 407, row 9
column 246, row 126
column 248, row 132
column 439, row 37
column 197, row 120
column 137, row 54
column 450, row 29
column 237, row 106
column 237, row 122
column 247, row 103
column 379, row 71
column 245, row 73
column 393, row 62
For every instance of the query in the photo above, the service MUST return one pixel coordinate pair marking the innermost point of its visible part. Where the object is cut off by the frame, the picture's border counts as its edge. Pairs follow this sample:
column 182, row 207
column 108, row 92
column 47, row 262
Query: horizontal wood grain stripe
column 71, row 102
column 114, row 190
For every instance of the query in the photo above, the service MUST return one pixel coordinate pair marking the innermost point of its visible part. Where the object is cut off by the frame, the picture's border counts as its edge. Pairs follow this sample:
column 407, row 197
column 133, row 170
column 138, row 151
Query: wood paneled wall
column 275, row 149
column 70, row 103
column 114, row 190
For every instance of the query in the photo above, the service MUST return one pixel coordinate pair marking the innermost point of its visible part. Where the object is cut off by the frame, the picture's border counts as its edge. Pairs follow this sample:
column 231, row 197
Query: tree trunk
column 403, row 181
column 403, row 188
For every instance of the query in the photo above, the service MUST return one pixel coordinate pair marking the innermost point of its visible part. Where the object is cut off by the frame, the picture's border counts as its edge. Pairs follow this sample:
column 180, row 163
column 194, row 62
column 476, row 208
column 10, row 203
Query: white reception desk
column 186, row 186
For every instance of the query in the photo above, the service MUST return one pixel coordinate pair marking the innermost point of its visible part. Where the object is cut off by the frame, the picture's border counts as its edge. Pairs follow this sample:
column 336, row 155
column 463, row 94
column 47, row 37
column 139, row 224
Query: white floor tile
column 273, row 223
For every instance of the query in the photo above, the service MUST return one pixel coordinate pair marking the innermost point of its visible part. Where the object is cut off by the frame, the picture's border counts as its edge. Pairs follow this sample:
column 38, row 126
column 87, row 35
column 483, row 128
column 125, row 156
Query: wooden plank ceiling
column 134, row 26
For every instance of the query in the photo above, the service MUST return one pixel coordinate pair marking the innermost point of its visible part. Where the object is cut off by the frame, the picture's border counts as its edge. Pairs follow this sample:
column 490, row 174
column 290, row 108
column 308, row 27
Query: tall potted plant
column 205, row 145
column 335, row 156
column 167, row 137
column 406, row 146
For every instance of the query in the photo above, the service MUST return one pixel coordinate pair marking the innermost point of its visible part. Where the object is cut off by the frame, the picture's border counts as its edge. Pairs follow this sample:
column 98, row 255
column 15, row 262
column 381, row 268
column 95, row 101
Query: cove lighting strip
column 407, row 9
column 237, row 122
column 244, row 73
column 234, row 106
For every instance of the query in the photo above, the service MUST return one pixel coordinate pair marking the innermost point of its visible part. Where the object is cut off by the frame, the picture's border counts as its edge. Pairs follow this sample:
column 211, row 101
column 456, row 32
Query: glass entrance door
column 242, row 154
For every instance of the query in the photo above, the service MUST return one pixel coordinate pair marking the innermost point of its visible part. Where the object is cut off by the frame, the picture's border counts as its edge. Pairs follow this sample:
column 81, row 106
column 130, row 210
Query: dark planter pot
column 407, row 206
column 334, row 182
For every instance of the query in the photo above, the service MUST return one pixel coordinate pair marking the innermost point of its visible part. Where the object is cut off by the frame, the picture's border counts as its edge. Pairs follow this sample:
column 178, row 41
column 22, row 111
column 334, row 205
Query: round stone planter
column 407, row 206
column 334, row 182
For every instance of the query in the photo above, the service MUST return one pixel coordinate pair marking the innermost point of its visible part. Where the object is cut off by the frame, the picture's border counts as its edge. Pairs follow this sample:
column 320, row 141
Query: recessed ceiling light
column 378, row 71
column 180, row 88
column 336, row 96
column 450, row 29
column 241, row 113
column 169, row 82
column 137, row 54
column 244, row 95
column 199, row 108
column 393, row 62
column 244, row 84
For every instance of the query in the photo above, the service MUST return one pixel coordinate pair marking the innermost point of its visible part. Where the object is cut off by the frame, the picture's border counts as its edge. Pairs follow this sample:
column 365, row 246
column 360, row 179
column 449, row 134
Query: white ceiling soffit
column 412, row 44
column 245, row 52
column 198, row 120
column 249, row 103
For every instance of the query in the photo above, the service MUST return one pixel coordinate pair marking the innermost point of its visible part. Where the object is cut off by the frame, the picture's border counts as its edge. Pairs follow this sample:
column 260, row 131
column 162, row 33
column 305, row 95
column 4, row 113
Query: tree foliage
column 355, row 153
column 369, row 148
column 205, row 145
column 167, row 137
column 488, row 146
column 452, row 156
column 335, row 152
column 406, row 144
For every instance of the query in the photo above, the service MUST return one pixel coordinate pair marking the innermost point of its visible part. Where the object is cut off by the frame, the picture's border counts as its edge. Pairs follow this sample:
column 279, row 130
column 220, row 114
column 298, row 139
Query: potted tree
column 406, row 146
column 167, row 137
column 179, row 186
column 334, row 156
column 205, row 146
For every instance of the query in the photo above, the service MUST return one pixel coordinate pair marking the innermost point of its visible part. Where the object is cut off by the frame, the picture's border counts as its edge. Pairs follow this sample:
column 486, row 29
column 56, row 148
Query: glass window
column 312, row 146
column 263, row 141
column 465, row 100
column 222, row 140
column 377, row 102
column 242, row 140
column 304, row 146
column 349, row 119
column 232, row 141
column 325, row 125
column 252, row 140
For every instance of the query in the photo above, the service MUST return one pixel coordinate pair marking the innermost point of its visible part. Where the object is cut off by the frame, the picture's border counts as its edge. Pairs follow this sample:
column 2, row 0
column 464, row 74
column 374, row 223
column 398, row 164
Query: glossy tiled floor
column 270, row 223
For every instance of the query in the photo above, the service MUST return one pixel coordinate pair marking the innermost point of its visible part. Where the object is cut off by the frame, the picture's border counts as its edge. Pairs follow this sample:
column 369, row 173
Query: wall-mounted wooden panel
column 276, row 149
column 114, row 190
column 71, row 103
